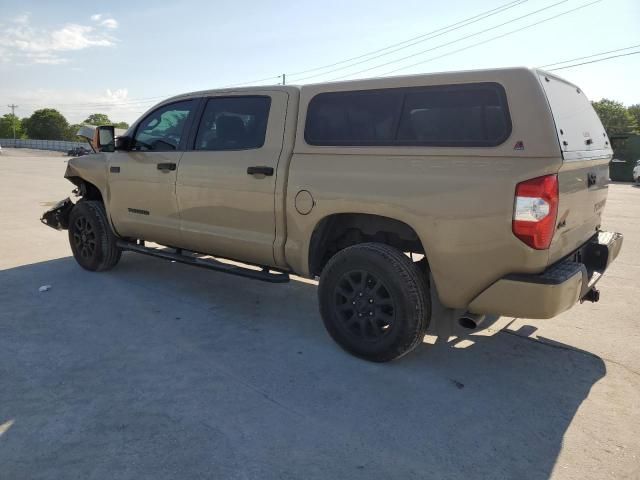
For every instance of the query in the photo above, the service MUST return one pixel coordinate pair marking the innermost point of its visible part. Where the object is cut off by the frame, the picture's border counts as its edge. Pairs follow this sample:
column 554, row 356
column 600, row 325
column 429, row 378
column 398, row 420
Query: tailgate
column 584, row 176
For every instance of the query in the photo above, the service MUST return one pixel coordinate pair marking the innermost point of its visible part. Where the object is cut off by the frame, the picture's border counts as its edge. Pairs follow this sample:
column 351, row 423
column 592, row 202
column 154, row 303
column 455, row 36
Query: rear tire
column 92, row 241
column 374, row 302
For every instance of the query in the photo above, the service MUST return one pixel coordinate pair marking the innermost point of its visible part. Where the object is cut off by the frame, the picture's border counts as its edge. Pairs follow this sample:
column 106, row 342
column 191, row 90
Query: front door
column 226, row 184
column 142, row 180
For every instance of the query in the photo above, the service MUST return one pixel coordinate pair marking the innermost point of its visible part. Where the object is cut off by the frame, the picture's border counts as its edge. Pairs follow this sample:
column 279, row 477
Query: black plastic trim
column 260, row 170
column 590, row 260
column 265, row 275
column 555, row 275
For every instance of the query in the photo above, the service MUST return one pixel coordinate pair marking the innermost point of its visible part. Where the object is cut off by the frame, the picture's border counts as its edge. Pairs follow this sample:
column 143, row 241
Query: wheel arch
column 337, row 231
column 90, row 170
column 90, row 191
column 86, row 189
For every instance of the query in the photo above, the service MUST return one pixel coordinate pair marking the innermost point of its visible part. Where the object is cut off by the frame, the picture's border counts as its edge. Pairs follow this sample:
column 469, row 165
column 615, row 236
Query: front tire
column 92, row 241
column 374, row 302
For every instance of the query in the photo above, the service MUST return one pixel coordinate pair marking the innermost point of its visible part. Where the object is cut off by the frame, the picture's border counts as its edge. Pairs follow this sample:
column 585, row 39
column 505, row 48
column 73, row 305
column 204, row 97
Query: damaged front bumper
column 58, row 216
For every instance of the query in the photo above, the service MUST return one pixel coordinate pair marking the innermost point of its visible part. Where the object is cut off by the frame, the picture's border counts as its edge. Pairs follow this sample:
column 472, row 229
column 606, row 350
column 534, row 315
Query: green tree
column 615, row 117
column 98, row 119
column 7, row 122
column 72, row 131
column 123, row 125
column 634, row 110
column 23, row 124
column 46, row 124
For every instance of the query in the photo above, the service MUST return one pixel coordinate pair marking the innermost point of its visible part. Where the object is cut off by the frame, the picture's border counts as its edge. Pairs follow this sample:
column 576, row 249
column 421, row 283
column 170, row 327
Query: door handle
column 166, row 166
column 260, row 170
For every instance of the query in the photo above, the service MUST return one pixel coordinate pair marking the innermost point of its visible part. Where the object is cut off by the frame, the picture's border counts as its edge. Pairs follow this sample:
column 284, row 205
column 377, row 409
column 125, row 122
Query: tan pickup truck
column 483, row 190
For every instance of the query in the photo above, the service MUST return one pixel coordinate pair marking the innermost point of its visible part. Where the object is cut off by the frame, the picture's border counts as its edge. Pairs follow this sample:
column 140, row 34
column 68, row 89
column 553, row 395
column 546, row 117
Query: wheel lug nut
column 371, row 314
column 359, row 314
column 371, row 300
column 353, row 303
column 360, row 294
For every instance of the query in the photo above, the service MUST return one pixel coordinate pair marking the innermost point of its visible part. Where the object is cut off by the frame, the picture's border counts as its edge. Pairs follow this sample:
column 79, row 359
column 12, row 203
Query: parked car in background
column 481, row 189
column 636, row 172
column 78, row 152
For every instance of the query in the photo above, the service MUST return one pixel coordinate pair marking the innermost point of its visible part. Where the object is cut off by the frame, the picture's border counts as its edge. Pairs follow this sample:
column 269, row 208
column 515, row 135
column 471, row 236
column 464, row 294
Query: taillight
column 535, row 211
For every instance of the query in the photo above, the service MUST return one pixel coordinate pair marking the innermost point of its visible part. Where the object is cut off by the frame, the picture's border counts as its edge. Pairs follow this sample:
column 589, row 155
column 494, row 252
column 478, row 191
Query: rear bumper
column 546, row 294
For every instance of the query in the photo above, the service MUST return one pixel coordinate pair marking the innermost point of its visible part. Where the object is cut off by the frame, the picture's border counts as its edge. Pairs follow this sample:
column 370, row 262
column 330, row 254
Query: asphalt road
column 158, row 370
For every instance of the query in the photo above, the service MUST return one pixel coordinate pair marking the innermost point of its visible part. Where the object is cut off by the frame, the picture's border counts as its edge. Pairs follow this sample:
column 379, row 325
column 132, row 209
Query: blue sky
column 122, row 57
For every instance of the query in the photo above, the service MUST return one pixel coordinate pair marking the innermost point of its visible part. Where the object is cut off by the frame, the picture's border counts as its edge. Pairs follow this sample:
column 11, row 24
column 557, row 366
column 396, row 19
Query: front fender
column 90, row 168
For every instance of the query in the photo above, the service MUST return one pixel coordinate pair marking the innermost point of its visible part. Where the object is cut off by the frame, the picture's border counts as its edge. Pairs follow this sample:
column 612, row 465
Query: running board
column 264, row 275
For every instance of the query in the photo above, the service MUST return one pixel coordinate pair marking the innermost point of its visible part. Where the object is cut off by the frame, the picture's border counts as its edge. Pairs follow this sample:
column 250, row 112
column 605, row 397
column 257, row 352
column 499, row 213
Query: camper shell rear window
column 463, row 115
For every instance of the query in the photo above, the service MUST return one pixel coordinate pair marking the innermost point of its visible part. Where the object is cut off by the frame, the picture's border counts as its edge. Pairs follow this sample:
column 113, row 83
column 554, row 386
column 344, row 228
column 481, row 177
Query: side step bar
column 264, row 275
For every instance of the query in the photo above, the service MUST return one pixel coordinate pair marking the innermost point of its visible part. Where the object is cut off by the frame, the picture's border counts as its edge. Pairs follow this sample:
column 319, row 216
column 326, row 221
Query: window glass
column 458, row 115
column 162, row 130
column 353, row 118
column 461, row 115
column 233, row 123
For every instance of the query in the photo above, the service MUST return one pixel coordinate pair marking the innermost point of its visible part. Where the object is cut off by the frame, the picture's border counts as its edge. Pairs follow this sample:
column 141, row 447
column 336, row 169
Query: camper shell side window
column 464, row 115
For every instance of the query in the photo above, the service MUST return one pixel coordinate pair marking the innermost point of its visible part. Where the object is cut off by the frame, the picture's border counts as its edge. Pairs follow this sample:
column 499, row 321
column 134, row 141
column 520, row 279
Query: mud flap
column 58, row 216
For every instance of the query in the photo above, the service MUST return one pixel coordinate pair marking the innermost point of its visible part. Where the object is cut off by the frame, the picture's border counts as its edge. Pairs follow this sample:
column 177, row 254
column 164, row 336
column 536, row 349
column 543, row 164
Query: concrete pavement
column 159, row 370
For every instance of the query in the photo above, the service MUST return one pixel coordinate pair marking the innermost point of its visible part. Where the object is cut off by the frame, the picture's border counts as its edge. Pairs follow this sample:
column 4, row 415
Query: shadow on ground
column 158, row 370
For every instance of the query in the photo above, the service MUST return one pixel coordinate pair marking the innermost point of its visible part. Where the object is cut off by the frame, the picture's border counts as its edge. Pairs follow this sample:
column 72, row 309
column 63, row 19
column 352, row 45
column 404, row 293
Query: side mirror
column 123, row 143
column 101, row 139
column 104, row 138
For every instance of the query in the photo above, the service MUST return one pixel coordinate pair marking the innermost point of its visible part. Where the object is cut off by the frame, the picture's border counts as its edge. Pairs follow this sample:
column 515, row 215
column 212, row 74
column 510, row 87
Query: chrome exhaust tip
column 471, row 321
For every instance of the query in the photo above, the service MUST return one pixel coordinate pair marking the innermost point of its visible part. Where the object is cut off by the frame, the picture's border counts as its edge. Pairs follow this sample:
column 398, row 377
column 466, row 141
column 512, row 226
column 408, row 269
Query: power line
column 403, row 42
column 457, row 40
column 578, row 58
column 104, row 104
column 140, row 101
column 595, row 61
column 570, row 66
column 590, row 56
column 487, row 40
column 446, row 29
column 252, row 81
column 420, row 38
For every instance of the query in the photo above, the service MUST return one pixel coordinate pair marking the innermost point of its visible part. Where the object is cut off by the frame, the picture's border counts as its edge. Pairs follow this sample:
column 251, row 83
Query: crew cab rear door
column 227, row 178
column 584, row 175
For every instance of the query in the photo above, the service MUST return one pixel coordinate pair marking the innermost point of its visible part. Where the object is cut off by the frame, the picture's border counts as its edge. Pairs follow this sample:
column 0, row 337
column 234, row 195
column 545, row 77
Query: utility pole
column 13, row 120
column 284, row 78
